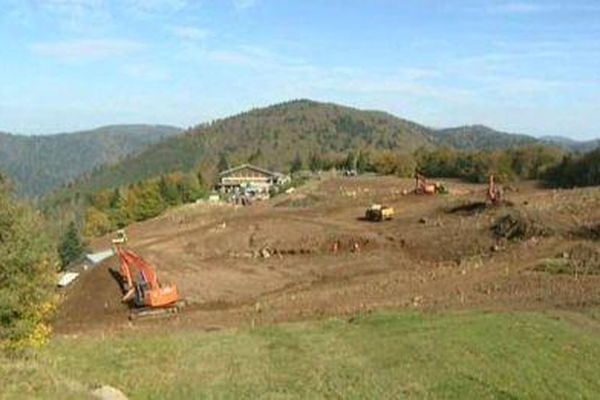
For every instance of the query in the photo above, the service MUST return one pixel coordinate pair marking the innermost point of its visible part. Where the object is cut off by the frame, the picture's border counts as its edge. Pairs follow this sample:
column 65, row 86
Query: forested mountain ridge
column 271, row 137
column 571, row 144
column 37, row 164
column 277, row 135
column 480, row 137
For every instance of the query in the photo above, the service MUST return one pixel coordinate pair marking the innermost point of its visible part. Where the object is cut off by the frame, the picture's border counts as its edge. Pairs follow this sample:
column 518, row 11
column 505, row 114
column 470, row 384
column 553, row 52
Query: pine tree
column 168, row 190
column 297, row 164
column 223, row 163
column 315, row 162
column 70, row 246
column 351, row 161
column 362, row 162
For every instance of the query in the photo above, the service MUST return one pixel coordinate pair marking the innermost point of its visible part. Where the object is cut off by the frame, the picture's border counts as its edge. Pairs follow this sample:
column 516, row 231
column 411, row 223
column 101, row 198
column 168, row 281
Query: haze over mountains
column 37, row 164
column 270, row 136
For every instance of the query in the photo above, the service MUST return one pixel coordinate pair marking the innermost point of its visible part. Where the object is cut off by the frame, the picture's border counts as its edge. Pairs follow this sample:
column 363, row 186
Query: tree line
column 109, row 209
column 527, row 162
column 573, row 170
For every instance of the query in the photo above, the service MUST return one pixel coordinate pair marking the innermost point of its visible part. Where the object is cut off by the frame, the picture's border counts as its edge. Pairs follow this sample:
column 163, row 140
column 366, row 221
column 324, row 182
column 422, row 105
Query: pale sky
column 521, row 66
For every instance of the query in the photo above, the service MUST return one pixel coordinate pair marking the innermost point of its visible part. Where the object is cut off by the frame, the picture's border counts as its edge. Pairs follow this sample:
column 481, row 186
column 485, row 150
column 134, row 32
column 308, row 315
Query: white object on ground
column 66, row 278
column 97, row 258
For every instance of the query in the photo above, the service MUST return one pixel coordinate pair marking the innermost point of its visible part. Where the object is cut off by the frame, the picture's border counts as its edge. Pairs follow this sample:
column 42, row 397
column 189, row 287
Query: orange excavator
column 145, row 295
column 422, row 186
column 494, row 193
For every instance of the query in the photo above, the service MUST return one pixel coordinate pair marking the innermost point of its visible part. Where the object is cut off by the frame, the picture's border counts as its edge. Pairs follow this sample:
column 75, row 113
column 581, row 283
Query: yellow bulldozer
column 377, row 213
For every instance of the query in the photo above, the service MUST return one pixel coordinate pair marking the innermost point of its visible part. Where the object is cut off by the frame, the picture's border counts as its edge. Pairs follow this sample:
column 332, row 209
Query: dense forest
column 572, row 171
column 479, row 137
column 37, row 164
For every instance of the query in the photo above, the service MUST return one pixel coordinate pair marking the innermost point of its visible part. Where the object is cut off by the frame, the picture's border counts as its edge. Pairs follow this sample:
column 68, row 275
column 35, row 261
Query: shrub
column 27, row 273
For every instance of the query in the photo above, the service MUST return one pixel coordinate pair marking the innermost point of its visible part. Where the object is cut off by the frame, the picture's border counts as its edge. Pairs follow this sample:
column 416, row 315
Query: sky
column 520, row 66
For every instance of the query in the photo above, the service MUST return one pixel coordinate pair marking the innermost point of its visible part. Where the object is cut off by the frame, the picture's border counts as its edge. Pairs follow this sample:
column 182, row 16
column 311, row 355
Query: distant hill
column 271, row 137
column 479, row 137
column 571, row 144
column 37, row 164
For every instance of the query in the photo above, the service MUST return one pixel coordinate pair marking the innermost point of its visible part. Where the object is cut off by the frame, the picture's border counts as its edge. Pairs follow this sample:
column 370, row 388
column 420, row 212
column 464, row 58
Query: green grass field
column 385, row 355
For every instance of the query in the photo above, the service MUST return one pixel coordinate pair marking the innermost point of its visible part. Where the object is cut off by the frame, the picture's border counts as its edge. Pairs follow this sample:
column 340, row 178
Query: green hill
column 570, row 144
column 271, row 137
column 38, row 164
column 479, row 137
column 274, row 136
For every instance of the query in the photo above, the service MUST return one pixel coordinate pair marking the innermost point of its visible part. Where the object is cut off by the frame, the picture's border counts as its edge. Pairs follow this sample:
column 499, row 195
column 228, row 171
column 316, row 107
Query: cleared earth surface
column 310, row 254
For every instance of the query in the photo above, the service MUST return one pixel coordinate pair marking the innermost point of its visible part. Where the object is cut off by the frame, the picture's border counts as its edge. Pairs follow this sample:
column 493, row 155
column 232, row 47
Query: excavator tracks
column 152, row 312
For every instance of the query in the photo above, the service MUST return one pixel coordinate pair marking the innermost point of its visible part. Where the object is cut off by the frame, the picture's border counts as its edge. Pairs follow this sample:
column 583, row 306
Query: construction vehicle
column 494, row 193
column 377, row 213
column 422, row 186
column 121, row 237
column 141, row 287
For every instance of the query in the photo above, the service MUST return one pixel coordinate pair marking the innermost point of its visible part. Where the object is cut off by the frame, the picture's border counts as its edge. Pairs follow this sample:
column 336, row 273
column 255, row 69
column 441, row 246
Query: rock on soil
column 108, row 393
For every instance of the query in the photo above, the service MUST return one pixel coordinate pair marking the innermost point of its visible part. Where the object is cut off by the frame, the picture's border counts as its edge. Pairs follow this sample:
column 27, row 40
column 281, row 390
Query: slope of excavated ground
column 281, row 261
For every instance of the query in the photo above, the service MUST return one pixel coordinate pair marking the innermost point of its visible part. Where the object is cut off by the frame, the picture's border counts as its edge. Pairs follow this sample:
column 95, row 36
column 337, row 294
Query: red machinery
column 146, row 294
column 494, row 193
column 422, row 186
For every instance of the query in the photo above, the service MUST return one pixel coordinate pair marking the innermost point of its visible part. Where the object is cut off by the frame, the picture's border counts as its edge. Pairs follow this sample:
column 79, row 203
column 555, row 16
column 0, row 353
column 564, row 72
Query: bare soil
column 309, row 254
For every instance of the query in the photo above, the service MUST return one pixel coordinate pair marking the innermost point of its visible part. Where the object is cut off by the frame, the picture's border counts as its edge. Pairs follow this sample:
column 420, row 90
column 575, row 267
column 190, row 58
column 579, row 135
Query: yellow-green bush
column 27, row 273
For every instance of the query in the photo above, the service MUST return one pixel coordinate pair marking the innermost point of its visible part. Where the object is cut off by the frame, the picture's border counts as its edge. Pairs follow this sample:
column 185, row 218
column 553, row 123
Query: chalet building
column 249, row 178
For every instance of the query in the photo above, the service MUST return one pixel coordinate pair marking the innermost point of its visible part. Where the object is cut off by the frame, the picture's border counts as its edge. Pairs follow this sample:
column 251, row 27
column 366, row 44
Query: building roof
column 249, row 166
column 97, row 258
column 66, row 278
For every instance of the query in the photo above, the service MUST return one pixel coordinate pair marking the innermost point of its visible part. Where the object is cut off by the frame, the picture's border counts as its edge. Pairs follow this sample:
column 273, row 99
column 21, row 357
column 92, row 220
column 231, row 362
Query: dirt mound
column 591, row 232
column 94, row 298
column 476, row 207
column 468, row 208
column 581, row 259
column 518, row 225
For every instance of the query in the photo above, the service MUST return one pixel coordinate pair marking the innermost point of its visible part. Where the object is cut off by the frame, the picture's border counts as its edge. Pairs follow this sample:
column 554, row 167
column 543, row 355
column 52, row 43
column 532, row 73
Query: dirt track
column 426, row 258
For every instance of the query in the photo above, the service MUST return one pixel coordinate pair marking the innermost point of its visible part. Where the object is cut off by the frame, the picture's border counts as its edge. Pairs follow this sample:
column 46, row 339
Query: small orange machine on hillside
column 422, row 186
column 146, row 294
column 494, row 193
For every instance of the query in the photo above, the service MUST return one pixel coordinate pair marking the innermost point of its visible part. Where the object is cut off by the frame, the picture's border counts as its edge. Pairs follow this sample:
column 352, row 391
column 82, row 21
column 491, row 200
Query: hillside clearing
column 427, row 257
